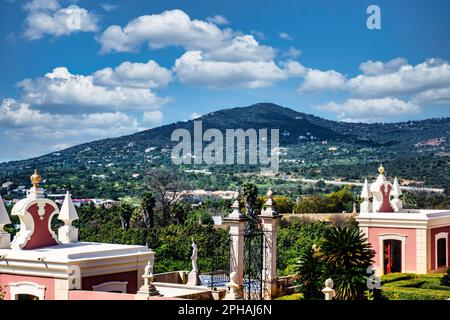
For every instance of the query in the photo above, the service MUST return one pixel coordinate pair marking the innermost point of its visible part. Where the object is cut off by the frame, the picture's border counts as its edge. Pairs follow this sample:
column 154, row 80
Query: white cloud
column 214, row 57
column 29, row 132
column 36, row 5
column 434, row 96
column 218, row 19
column 431, row 74
column 374, row 68
column 47, row 17
column 192, row 68
column 285, row 36
column 160, row 30
column 370, row 110
column 150, row 118
column 317, row 80
column 260, row 35
column 293, row 53
column 108, row 7
column 60, row 87
column 424, row 83
column 242, row 48
column 136, row 75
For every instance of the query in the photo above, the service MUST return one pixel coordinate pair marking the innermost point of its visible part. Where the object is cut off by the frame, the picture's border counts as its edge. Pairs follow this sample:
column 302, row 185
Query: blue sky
column 76, row 71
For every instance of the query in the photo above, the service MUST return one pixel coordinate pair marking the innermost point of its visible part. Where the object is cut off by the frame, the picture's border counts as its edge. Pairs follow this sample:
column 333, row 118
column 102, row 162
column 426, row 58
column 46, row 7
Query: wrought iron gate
column 254, row 248
column 253, row 263
column 219, row 272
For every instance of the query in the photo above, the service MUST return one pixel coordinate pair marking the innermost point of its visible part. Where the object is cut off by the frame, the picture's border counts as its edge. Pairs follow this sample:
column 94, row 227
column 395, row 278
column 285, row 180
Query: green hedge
column 410, row 283
column 294, row 296
column 396, row 293
column 392, row 277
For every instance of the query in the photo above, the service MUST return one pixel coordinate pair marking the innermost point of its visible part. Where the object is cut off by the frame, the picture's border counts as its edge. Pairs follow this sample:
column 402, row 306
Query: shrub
column 445, row 280
column 2, row 293
column 395, row 293
column 392, row 277
column 346, row 255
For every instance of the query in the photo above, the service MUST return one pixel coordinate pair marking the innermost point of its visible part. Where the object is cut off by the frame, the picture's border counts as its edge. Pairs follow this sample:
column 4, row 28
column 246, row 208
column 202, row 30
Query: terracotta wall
column 410, row 234
column 435, row 231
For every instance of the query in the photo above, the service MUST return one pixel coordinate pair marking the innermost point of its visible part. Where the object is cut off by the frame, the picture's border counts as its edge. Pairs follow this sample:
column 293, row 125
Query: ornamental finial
column 36, row 178
column 381, row 169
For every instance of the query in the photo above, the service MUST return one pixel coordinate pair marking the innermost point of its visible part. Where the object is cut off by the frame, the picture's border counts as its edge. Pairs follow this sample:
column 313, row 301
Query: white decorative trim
column 112, row 286
column 26, row 288
column 440, row 235
column 27, row 227
column 391, row 236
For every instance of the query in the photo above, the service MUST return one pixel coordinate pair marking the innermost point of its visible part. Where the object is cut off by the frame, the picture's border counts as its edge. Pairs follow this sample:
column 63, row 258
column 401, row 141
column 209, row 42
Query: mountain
column 316, row 148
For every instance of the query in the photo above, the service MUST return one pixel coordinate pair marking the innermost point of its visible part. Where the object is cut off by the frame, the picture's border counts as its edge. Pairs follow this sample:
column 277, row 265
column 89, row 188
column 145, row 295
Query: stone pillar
column 422, row 251
column 269, row 219
column 237, row 221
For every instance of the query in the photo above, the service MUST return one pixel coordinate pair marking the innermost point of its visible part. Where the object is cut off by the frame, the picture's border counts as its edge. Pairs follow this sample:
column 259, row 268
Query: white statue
column 328, row 290
column 148, row 289
column 148, row 273
column 194, row 257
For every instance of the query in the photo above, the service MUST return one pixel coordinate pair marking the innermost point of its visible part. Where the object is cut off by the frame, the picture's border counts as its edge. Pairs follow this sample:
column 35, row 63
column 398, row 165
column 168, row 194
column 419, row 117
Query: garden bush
column 396, row 277
column 397, row 293
column 445, row 280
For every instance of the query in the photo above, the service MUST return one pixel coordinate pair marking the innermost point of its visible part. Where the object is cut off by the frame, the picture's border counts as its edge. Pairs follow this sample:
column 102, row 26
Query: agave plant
column 346, row 256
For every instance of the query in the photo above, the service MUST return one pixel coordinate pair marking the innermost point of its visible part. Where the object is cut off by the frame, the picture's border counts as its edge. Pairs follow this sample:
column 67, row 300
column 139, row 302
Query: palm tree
column 125, row 212
column 346, row 255
column 148, row 205
column 309, row 269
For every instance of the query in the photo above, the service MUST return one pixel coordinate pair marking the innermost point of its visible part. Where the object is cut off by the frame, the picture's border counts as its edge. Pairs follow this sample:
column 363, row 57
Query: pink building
column 40, row 264
column 405, row 240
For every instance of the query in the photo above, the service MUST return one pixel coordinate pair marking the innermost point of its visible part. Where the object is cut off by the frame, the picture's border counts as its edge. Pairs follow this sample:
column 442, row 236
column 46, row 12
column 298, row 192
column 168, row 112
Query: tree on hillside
column 341, row 200
column 148, row 203
column 125, row 212
column 167, row 185
column 346, row 255
column 422, row 199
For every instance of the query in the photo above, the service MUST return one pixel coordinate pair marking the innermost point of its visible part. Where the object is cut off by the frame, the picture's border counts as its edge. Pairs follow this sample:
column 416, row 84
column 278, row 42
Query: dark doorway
column 26, row 297
column 392, row 256
column 441, row 253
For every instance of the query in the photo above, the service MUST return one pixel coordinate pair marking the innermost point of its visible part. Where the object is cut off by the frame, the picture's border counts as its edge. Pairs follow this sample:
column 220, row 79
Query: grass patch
column 294, row 296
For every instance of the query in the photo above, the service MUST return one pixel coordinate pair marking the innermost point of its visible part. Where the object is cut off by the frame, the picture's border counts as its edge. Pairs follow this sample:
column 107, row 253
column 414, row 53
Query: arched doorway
column 441, row 250
column 392, row 256
column 441, row 253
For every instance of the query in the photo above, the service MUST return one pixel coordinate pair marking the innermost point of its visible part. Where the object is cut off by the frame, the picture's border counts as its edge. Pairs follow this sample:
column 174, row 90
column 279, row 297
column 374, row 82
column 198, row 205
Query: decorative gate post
column 237, row 228
column 269, row 271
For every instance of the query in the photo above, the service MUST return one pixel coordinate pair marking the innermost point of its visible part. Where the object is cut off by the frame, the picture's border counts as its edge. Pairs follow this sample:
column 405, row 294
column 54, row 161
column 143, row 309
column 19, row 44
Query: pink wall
column 433, row 244
column 49, row 284
column 98, row 295
column 410, row 234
